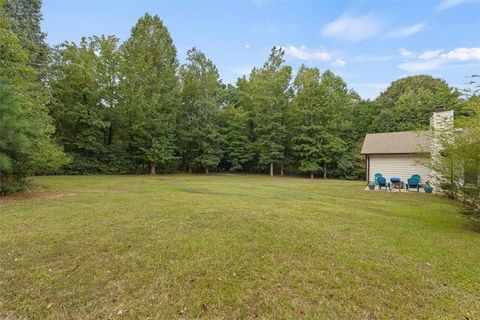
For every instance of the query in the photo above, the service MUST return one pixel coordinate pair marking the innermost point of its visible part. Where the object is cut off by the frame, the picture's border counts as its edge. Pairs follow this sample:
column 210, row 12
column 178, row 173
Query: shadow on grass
column 472, row 217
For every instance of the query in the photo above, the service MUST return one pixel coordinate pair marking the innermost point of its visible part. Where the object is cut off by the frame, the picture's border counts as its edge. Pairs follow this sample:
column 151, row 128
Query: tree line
column 102, row 106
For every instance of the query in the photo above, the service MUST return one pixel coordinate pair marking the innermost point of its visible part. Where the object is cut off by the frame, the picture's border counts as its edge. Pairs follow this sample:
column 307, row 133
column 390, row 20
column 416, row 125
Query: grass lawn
column 223, row 247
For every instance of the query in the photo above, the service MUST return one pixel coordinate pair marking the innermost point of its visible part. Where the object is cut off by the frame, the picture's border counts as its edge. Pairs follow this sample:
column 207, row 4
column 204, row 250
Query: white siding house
column 402, row 154
column 398, row 165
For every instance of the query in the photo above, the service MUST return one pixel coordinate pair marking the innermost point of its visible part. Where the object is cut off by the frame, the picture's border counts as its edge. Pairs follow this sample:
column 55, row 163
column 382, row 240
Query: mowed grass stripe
column 244, row 246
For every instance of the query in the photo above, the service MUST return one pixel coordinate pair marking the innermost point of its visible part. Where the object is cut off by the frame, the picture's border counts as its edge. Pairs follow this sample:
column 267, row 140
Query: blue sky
column 368, row 43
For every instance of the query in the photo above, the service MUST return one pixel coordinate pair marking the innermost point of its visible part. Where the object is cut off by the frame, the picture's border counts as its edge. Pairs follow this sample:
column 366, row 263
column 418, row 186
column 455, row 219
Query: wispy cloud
column 406, row 53
column 447, row 4
column 406, row 32
column 305, row 54
column 462, row 54
column 421, row 66
column 247, row 46
column 339, row 63
column 434, row 59
column 430, row 54
column 353, row 28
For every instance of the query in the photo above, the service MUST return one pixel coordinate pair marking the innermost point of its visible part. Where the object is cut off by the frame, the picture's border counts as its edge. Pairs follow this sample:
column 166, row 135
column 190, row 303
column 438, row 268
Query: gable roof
column 396, row 142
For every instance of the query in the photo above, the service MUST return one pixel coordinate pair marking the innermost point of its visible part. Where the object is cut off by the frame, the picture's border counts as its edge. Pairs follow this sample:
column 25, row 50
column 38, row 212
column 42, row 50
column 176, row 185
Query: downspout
column 367, row 171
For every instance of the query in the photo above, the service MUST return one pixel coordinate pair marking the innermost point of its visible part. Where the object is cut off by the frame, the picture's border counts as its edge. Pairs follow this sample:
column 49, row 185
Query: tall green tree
column 25, row 18
column 19, row 68
column 150, row 94
column 84, row 83
column 202, row 95
column 306, row 127
column 408, row 102
column 270, row 95
column 15, row 141
column 237, row 147
column 320, row 123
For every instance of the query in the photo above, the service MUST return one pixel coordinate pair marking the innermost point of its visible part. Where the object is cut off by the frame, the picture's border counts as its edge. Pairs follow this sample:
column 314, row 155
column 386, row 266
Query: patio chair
column 382, row 183
column 416, row 175
column 378, row 174
column 413, row 182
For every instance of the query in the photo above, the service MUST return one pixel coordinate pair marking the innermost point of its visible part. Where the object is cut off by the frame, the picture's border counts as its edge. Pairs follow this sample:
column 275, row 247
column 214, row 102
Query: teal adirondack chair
column 377, row 175
column 414, row 182
column 382, row 183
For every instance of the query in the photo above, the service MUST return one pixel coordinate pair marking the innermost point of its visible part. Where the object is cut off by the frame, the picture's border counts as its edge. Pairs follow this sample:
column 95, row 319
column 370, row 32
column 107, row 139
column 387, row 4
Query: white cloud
column 421, row 66
column 447, row 4
column 434, row 59
column 405, row 53
column 406, row 32
column 353, row 28
column 462, row 54
column 339, row 63
column 303, row 53
column 430, row 54
column 247, row 46
column 457, row 54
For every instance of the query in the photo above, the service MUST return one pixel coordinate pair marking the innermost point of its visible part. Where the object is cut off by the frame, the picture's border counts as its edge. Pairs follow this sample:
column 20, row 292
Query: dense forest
column 102, row 106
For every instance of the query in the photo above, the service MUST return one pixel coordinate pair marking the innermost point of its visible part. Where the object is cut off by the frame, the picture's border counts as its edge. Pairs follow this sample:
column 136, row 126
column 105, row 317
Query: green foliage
column 150, row 93
column 83, row 82
column 25, row 18
column 23, row 60
column 321, row 127
column 408, row 102
column 199, row 129
column 307, row 128
column 270, row 94
column 237, row 148
column 458, row 166
column 15, row 141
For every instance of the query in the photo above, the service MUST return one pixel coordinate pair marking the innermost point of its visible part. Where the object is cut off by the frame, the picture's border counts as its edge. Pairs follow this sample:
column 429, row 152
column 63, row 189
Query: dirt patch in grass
column 37, row 195
column 198, row 191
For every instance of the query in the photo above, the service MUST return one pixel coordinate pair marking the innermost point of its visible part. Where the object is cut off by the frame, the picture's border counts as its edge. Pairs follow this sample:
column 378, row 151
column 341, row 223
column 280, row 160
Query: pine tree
column 149, row 88
column 25, row 18
column 15, row 141
column 201, row 141
column 22, row 48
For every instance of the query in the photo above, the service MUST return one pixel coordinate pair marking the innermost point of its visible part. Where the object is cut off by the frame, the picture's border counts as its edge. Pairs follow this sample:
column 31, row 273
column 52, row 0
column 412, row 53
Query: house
column 401, row 154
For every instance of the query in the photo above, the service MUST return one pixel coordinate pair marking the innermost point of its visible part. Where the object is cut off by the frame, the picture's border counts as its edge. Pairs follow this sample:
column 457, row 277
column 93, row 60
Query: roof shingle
column 396, row 142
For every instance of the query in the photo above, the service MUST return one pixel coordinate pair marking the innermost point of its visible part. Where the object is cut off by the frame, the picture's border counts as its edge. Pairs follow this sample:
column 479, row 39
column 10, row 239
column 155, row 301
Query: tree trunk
column 271, row 169
column 311, row 175
column 189, row 169
column 281, row 169
column 324, row 171
column 152, row 169
column 206, row 170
